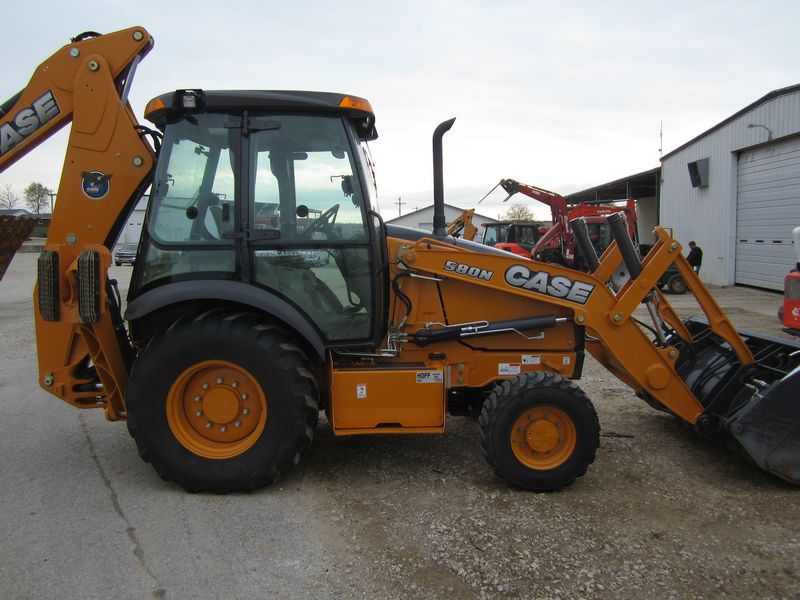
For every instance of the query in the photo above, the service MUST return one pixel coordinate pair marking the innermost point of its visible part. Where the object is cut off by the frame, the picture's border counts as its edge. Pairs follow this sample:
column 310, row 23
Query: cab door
column 308, row 234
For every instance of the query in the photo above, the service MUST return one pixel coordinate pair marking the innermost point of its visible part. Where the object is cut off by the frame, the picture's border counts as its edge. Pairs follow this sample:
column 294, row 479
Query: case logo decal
column 28, row 121
column 519, row 276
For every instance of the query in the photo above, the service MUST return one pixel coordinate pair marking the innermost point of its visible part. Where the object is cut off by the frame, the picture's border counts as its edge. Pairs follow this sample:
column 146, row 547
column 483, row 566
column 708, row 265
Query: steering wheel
column 323, row 221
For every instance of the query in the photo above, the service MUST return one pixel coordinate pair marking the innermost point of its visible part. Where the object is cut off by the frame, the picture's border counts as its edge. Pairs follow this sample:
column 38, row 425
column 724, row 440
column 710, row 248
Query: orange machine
column 266, row 289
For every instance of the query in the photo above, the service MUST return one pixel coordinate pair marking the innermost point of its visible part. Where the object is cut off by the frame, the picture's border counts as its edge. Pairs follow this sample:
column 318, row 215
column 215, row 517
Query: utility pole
column 52, row 197
column 400, row 206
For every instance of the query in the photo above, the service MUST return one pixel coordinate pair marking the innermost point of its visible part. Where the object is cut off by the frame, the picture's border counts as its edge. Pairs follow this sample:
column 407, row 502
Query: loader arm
column 462, row 226
column 614, row 337
column 556, row 202
column 82, row 346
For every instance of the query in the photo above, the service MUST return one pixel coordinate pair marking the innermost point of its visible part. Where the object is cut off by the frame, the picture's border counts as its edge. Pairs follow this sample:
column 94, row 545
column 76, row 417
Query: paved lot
column 661, row 513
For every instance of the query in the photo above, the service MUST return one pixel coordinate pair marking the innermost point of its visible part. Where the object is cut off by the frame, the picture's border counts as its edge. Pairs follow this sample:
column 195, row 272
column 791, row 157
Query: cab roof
column 358, row 109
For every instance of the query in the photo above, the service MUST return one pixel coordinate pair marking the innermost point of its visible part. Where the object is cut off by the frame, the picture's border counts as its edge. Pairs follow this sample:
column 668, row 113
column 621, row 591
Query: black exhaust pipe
column 439, row 220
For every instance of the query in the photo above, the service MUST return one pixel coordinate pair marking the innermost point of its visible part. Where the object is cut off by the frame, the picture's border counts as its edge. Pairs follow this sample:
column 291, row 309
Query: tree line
column 35, row 196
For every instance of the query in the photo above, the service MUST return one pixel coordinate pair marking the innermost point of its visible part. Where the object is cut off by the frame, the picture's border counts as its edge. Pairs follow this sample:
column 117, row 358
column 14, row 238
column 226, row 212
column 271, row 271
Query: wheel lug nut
column 237, row 423
column 219, row 380
column 245, row 396
column 223, row 429
column 199, row 413
column 209, row 425
column 197, row 398
column 205, row 386
column 245, row 411
column 235, row 384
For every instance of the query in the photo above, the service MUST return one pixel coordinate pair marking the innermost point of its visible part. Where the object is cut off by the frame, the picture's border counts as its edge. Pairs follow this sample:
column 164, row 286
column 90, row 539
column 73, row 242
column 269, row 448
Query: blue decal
column 95, row 184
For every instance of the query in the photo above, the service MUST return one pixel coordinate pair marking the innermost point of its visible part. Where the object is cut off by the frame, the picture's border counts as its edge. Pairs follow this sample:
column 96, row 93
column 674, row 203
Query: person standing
column 695, row 257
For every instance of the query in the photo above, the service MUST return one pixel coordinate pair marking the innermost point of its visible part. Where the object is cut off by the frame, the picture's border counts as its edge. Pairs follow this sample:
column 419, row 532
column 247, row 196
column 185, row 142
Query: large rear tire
column 222, row 403
column 539, row 431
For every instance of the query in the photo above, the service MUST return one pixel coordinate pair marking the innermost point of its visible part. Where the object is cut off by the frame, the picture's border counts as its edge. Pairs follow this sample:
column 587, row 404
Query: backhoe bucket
column 13, row 231
column 768, row 427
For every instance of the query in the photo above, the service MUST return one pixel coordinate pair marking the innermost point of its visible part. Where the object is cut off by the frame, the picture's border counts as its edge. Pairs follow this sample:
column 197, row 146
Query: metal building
column 735, row 189
column 423, row 219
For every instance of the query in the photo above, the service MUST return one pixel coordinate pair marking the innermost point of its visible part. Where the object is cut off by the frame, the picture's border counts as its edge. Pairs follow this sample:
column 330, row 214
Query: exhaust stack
column 439, row 220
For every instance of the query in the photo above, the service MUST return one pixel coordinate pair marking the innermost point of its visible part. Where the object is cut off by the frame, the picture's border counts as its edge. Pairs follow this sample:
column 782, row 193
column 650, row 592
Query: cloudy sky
column 562, row 95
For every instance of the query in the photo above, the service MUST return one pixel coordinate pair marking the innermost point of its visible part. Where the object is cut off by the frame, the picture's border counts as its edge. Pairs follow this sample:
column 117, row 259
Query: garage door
column 767, row 209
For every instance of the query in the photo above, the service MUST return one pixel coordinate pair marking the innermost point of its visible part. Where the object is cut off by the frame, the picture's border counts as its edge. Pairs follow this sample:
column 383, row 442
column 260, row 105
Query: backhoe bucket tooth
column 768, row 428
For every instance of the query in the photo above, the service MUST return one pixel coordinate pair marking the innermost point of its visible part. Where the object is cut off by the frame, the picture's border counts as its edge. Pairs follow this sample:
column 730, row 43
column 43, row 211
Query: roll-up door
column 767, row 209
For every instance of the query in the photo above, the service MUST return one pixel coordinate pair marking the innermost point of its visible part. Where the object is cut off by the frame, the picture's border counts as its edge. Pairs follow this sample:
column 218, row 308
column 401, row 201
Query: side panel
column 387, row 400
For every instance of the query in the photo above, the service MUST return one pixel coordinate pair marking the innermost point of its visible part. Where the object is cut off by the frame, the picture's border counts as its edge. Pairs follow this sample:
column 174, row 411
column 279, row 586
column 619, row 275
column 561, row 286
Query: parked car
column 125, row 254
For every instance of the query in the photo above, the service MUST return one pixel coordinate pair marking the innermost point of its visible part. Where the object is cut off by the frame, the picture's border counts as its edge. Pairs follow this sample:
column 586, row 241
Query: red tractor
column 557, row 244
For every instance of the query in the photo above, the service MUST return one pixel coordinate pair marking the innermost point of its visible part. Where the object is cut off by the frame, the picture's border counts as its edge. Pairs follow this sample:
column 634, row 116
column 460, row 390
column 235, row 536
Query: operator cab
column 273, row 190
column 525, row 234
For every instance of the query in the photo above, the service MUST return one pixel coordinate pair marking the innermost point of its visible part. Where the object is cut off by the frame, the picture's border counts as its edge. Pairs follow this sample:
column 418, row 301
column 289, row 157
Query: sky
column 560, row 95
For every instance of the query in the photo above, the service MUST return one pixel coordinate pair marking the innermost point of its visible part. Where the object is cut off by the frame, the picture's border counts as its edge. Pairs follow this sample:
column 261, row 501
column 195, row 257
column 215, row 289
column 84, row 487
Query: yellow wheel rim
column 216, row 409
column 543, row 438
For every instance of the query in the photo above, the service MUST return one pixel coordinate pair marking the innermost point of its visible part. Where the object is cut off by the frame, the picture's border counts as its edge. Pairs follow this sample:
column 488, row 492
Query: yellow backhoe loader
column 266, row 289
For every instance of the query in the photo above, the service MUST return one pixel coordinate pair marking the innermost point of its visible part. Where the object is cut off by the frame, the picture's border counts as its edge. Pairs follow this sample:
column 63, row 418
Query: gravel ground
column 661, row 513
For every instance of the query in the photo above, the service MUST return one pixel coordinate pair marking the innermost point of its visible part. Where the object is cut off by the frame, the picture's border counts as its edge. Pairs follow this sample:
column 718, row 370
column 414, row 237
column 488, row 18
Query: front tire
column 222, row 403
column 539, row 431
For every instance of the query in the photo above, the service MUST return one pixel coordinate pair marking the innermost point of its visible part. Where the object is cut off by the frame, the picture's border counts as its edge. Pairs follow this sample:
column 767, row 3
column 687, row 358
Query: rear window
column 129, row 247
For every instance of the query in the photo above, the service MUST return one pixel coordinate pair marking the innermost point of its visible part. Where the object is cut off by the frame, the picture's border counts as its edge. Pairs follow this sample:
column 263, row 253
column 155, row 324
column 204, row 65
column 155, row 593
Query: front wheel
column 222, row 403
column 539, row 431
column 677, row 285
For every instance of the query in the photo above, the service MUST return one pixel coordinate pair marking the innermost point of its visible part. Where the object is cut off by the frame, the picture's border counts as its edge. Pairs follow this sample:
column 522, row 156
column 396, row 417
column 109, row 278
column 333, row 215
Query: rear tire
column 676, row 285
column 222, row 403
column 539, row 431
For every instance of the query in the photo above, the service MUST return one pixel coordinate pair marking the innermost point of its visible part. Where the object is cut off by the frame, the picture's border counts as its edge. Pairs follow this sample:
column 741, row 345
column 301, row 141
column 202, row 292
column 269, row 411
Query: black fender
column 183, row 292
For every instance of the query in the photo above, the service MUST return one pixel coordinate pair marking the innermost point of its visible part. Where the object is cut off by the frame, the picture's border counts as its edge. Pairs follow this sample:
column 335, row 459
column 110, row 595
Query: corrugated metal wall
column 708, row 215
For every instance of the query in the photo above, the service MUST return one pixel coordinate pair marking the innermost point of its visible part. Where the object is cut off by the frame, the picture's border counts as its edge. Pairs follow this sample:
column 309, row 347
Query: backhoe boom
column 82, row 347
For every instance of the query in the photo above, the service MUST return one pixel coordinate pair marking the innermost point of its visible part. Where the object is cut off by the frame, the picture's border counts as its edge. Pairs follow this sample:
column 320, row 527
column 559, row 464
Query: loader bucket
column 756, row 406
column 768, row 428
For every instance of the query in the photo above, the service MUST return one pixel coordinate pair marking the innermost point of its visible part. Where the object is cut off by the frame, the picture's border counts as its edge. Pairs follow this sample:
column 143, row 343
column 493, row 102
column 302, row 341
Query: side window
column 194, row 185
column 177, row 190
column 325, row 185
column 305, row 188
column 193, row 202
